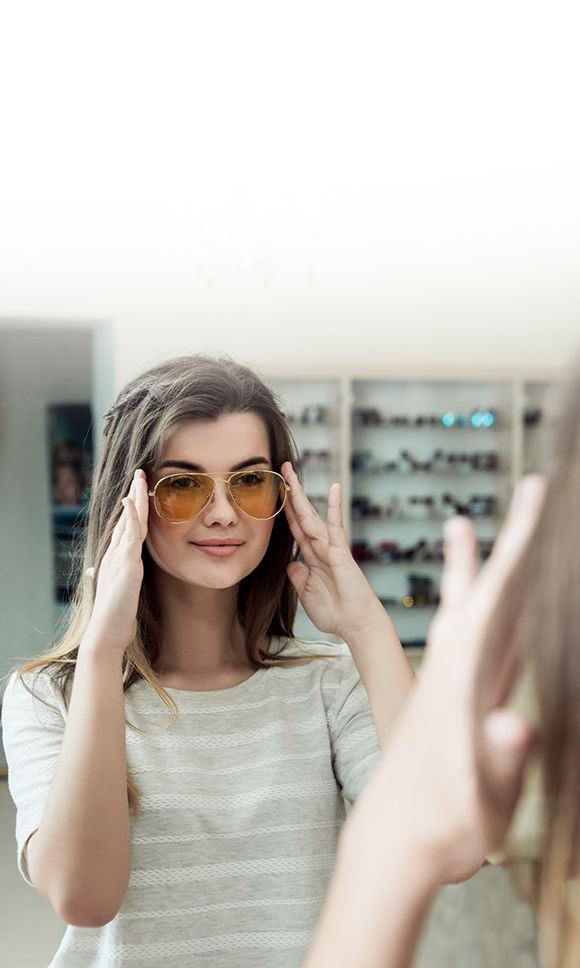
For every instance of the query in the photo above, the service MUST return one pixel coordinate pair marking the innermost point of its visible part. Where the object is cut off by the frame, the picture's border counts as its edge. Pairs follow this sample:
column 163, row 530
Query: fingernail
column 528, row 489
column 452, row 529
column 518, row 493
column 506, row 728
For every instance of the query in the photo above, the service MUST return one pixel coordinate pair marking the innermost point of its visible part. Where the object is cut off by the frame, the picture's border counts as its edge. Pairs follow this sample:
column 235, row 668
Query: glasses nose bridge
column 225, row 480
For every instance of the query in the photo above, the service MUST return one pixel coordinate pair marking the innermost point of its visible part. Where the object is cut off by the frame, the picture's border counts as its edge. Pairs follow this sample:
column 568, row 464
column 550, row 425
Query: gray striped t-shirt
column 242, row 802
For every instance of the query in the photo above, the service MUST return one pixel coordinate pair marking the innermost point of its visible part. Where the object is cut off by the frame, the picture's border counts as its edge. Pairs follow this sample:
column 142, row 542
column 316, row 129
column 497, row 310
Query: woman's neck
column 201, row 635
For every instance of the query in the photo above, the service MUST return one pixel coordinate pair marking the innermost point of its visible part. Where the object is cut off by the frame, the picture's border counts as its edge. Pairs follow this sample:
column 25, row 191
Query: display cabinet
column 314, row 409
column 409, row 453
column 422, row 452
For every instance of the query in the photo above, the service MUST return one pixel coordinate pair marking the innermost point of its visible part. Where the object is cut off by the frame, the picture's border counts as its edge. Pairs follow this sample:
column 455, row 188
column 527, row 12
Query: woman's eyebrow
column 186, row 465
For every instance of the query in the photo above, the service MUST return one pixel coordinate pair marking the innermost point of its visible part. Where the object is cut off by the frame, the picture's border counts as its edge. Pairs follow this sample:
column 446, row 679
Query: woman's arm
column 421, row 819
column 79, row 858
column 338, row 599
column 372, row 916
column 383, row 668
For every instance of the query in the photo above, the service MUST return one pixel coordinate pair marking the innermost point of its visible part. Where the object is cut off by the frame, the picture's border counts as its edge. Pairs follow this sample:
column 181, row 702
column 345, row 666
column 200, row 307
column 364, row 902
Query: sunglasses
column 181, row 497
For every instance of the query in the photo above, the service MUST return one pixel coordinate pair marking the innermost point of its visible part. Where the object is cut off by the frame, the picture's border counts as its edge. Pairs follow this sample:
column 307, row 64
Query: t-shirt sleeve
column 352, row 730
column 32, row 735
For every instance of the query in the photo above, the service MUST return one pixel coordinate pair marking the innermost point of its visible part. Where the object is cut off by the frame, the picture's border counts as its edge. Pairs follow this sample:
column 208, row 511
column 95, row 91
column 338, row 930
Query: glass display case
column 422, row 452
column 410, row 453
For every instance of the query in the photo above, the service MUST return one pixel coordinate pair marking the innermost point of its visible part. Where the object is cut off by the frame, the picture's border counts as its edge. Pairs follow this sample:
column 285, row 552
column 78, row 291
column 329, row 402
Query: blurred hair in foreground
column 536, row 631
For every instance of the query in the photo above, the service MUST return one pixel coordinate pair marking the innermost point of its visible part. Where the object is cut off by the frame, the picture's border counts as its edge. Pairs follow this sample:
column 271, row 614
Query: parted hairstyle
column 144, row 414
column 536, row 630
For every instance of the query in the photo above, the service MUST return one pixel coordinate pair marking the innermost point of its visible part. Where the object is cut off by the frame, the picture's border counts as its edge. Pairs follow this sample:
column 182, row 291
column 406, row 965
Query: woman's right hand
column 422, row 818
column 427, row 780
column 114, row 616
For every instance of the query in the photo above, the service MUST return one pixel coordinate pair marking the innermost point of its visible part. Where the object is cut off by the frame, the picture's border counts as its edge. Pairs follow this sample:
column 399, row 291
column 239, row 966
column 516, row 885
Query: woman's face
column 197, row 551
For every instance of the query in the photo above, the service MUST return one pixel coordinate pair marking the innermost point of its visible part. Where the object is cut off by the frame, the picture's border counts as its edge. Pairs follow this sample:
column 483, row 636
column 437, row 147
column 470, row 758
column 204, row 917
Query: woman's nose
column 220, row 507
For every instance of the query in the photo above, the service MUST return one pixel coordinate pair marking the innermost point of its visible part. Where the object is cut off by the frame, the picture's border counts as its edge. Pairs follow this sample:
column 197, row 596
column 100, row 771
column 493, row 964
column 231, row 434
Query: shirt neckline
column 238, row 686
column 199, row 694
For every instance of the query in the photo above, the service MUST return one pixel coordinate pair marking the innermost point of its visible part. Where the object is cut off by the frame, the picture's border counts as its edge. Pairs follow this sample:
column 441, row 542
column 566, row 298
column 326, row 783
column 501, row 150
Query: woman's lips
column 218, row 550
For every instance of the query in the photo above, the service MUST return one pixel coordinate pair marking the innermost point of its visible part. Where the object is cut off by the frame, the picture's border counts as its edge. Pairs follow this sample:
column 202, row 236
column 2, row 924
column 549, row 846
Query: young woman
column 519, row 617
column 179, row 762
column 424, row 819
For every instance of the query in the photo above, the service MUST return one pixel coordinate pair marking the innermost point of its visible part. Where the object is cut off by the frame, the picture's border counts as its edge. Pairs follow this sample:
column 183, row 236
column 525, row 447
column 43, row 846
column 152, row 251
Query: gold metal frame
column 228, row 477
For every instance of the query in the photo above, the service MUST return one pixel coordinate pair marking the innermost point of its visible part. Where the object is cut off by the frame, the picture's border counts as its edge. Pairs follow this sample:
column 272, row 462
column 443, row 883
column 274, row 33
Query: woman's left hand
column 331, row 587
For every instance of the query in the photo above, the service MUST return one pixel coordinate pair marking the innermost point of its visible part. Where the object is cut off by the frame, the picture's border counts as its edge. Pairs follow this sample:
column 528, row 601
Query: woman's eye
column 250, row 480
column 184, row 483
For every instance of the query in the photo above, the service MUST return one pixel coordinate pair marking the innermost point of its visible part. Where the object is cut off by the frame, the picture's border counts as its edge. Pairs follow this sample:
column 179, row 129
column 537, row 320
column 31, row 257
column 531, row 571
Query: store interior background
column 42, row 364
column 340, row 191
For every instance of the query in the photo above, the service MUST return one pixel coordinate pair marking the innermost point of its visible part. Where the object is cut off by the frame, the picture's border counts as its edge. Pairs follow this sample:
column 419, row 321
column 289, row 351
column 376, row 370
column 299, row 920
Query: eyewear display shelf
column 409, row 453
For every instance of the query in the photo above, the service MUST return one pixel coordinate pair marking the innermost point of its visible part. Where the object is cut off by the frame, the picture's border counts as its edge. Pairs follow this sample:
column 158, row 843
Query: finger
column 298, row 575
column 118, row 530
column 514, row 536
column 142, row 501
column 294, row 525
column 460, row 564
column 314, row 552
column 308, row 518
column 508, row 740
column 300, row 537
column 521, row 519
column 336, row 532
column 307, row 553
column 132, row 534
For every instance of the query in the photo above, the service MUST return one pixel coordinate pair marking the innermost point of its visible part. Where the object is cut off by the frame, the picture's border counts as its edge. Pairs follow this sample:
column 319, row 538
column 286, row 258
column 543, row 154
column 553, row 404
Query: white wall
column 36, row 368
column 329, row 184
column 350, row 284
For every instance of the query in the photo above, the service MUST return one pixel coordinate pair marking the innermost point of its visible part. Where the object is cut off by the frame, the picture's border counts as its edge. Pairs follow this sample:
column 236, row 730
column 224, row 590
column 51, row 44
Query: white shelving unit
column 399, row 445
column 314, row 408
column 429, row 454
column 540, row 404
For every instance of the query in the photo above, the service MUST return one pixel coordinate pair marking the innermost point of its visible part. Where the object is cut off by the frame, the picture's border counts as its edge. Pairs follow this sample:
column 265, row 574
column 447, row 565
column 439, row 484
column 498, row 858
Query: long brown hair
column 137, row 425
column 536, row 629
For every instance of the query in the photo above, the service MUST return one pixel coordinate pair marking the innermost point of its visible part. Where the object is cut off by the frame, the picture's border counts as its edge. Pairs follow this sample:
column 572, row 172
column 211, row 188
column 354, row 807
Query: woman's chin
column 217, row 573
column 217, row 579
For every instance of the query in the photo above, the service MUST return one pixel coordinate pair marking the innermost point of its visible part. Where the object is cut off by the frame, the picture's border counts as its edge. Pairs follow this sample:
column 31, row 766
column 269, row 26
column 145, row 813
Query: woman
column 443, row 809
column 207, row 837
column 422, row 818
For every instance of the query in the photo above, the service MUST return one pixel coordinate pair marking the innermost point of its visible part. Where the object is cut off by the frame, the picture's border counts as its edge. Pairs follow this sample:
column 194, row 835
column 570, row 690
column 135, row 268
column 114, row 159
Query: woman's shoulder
column 327, row 661
column 32, row 695
column 316, row 664
column 308, row 649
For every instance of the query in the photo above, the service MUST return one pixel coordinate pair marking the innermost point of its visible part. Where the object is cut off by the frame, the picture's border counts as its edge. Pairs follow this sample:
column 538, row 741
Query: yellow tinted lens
column 259, row 493
column 182, row 496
